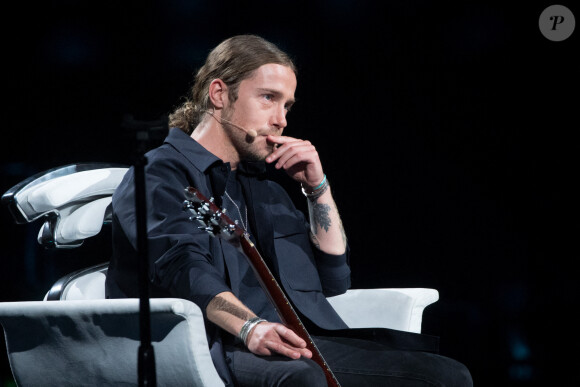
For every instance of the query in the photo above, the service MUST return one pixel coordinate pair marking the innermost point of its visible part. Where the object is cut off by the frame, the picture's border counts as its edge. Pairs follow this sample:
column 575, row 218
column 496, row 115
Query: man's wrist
column 313, row 193
column 248, row 327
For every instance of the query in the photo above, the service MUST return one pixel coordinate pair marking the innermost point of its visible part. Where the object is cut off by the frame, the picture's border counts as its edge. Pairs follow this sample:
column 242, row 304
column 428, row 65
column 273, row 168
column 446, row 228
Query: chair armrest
column 84, row 284
column 95, row 342
column 400, row 308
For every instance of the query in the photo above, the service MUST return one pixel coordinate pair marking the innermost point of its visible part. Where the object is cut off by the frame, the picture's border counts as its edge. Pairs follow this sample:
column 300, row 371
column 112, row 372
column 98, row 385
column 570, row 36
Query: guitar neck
column 283, row 307
column 215, row 222
column 277, row 296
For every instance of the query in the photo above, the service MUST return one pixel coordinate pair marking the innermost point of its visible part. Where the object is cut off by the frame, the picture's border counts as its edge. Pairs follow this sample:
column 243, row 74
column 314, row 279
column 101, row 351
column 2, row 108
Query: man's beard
column 243, row 143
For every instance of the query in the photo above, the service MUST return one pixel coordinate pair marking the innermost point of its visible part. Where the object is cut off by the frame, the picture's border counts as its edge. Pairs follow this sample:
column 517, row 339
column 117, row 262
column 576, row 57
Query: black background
column 448, row 131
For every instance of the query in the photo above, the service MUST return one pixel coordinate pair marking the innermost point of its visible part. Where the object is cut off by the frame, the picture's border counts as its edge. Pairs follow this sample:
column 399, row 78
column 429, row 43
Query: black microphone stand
column 145, row 132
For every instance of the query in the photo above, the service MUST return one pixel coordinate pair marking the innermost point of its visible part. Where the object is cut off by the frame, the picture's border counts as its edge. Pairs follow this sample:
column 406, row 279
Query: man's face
column 263, row 102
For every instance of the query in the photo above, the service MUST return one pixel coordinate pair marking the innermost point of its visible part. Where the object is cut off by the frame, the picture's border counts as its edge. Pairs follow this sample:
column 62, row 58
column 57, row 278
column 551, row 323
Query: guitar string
column 239, row 212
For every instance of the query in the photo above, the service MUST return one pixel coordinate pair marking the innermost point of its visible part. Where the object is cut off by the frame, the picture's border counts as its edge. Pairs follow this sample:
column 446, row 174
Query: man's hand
column 299, row 158
column 268, row 338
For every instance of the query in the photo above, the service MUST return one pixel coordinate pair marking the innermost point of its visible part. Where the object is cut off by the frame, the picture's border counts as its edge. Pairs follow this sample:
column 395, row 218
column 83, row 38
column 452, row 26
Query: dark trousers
column 355, row 362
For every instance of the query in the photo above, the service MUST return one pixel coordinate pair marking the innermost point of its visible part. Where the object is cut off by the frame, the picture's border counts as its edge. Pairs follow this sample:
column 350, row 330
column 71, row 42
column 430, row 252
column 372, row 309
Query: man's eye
column 268, row 97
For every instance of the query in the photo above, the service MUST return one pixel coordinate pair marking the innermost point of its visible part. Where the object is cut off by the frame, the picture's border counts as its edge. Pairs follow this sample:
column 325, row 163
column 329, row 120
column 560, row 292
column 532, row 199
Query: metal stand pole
column 145, row 132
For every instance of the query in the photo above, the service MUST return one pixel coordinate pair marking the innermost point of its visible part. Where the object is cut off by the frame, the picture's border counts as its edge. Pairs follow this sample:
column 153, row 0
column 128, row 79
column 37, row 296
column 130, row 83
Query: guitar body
column 214, row 221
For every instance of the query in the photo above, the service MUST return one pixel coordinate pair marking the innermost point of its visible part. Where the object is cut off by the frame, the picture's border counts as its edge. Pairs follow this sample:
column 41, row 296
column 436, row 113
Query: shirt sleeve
column 182, row 258
column 334, row 271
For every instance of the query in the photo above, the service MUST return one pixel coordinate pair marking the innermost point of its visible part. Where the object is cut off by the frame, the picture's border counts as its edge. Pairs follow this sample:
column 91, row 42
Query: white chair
column 76, row 337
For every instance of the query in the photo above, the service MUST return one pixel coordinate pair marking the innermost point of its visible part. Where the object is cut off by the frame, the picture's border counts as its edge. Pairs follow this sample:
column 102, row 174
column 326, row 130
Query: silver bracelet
column 247, row 328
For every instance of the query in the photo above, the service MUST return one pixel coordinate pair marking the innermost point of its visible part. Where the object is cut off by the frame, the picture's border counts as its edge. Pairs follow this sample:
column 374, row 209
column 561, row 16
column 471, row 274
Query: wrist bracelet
column 321, row 184
column 318, row 191
column 311, row 190
column 247, row 328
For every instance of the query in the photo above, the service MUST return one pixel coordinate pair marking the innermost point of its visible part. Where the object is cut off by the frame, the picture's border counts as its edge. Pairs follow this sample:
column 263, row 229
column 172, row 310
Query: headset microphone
column 250, row 132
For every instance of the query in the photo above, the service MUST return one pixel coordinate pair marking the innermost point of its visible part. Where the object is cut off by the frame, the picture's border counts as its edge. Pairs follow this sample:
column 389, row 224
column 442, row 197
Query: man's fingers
column 288, row 350
column 283, row 349
column 298, row 152
column 267, row 338
column 295, row 159
column 283, row 153
column 298, row 344
column 280, row 150
column 281, row 139
column 306, row 353
column 289, row 335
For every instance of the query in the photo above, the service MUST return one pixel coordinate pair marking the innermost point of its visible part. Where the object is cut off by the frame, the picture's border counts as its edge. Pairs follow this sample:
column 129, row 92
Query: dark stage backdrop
column 447, row 129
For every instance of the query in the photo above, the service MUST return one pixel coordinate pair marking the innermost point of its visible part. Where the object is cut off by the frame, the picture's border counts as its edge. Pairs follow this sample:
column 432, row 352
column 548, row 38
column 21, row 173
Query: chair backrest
column 74, row 200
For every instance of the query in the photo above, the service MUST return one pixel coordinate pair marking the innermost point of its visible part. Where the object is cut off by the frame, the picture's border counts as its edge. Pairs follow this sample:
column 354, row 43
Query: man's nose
column 280, row 118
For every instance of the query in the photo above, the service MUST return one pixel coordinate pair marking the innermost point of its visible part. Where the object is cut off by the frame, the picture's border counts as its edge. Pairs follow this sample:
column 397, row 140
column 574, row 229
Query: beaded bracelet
column 321, row 184
column 247, row 328
column 313, row 194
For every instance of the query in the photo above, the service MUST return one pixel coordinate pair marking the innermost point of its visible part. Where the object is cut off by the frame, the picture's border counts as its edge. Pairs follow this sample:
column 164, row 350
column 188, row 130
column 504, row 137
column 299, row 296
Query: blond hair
column 232, row 61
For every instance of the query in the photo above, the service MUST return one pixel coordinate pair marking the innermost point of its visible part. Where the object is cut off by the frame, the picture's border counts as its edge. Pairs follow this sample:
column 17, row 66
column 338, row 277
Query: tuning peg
column 216, row 218
column 228, row 229
column 207, row 229
column 204, row 209
column 196, row 217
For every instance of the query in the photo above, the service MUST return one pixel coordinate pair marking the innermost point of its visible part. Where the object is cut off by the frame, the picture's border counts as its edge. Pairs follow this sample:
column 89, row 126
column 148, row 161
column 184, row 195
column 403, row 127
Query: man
column 221, row 139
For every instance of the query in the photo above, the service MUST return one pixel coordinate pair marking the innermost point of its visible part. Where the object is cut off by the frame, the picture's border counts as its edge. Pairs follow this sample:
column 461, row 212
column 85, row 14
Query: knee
column 304, row 372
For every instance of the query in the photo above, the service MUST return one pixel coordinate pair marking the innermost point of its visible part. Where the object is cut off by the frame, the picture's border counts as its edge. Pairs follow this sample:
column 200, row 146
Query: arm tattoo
column 320, row 216
column 223, row 305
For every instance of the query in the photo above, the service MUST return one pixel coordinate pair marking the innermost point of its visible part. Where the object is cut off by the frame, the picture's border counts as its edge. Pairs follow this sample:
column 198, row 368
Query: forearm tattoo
column 320, row 218
column 320, row 215
column 221, row 304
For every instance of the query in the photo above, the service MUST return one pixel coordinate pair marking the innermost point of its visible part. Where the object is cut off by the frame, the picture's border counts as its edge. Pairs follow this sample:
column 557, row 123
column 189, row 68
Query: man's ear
column 218, row 93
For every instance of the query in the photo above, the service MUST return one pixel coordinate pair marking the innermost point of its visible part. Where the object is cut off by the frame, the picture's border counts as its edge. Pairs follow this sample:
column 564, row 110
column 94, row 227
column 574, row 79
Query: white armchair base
column 400, row 309
column 96, row 341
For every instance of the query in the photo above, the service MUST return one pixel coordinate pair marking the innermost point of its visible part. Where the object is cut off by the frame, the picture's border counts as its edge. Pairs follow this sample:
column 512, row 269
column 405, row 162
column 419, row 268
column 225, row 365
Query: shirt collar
column 252, row 168
column 191, row 149
column 204, row 159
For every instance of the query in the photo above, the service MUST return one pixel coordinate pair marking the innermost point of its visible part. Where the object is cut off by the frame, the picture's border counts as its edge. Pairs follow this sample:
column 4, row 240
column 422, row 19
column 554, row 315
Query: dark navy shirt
column 250, row 290
column 188, row 263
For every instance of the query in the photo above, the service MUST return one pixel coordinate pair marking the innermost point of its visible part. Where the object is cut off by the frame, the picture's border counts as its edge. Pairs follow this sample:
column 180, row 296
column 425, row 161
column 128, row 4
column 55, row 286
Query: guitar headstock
column 209, row 216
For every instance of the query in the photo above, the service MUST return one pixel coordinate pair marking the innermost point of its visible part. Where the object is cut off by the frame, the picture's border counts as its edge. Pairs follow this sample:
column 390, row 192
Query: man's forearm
column 327, row 231
column 262, row 338
column 229, row 313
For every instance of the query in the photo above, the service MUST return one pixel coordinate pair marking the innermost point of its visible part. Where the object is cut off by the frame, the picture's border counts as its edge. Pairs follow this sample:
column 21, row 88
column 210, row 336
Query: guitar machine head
column 209, row 217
